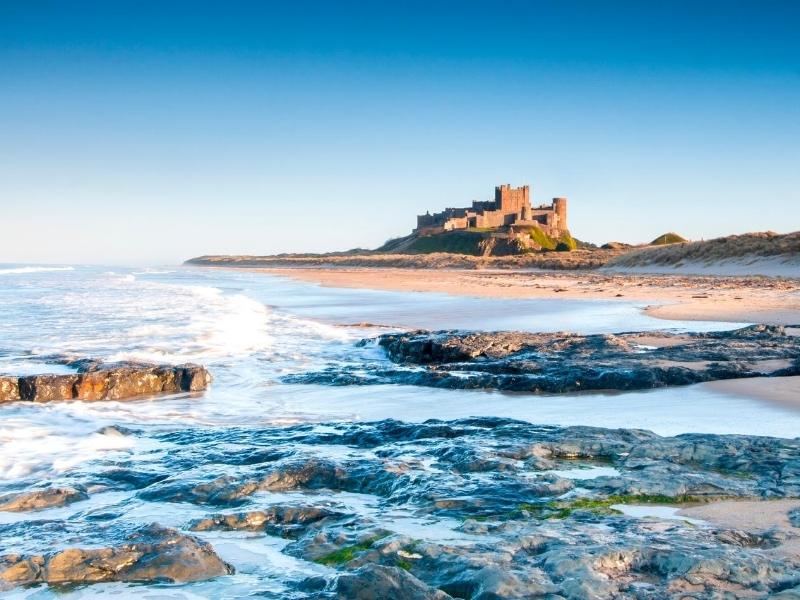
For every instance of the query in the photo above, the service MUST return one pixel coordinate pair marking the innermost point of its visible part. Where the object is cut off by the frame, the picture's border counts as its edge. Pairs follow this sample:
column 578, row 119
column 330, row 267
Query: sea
column 253, row 331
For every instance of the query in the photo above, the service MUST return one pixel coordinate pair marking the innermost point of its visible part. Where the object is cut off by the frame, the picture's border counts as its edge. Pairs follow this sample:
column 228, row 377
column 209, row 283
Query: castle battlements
column 511, row 208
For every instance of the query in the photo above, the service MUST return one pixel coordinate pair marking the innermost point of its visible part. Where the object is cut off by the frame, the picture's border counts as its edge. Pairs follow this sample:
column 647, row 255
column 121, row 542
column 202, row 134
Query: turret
column 560, row 208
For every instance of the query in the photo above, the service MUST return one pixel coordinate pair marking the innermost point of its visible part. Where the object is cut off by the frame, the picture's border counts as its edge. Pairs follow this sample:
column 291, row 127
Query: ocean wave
column 23, row 270
column 153, row 272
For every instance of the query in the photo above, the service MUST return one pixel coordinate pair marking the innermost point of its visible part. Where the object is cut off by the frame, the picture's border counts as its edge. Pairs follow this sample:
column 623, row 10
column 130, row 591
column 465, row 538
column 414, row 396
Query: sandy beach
column 784, row 391
column 674, row 297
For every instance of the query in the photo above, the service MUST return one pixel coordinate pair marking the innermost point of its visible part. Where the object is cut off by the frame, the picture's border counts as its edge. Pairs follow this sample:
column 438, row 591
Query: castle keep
column 511, row 209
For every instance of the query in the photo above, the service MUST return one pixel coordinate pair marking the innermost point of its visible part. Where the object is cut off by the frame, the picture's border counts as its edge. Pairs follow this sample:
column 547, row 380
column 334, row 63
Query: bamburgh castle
column 511, row 209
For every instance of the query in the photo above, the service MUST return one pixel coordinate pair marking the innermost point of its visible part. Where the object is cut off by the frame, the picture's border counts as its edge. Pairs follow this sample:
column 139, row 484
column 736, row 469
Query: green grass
column 473, row 241
column 667, row 238
column 542, row 239
column 347, row 553
column 454, row 242
column 564, row 243
column 561, row 509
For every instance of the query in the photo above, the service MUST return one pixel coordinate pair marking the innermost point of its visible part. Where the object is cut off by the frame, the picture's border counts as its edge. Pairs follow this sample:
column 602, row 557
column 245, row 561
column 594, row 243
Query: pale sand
column 778, row 390
column 755, row 516
column 732, row 299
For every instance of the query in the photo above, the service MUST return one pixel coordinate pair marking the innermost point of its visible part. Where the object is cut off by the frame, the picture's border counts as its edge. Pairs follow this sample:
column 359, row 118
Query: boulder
column 40, row 499
column 94, row 380
column 152, row 554
column 9, row 389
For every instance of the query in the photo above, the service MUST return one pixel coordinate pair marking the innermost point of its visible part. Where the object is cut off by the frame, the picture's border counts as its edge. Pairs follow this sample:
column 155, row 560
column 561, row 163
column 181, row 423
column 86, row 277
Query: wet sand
column 673, row 297
column 754, row 516
column 784, row 391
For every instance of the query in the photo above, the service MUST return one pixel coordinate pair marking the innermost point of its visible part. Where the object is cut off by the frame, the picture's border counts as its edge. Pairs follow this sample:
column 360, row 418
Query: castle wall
column 511, row 206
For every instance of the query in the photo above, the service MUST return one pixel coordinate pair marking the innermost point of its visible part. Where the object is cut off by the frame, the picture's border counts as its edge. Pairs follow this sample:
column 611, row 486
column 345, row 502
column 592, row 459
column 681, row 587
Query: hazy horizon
column 135, row 133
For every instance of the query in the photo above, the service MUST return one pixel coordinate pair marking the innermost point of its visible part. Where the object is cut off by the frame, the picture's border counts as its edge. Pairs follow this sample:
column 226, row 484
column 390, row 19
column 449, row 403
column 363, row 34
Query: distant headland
column 509, row 232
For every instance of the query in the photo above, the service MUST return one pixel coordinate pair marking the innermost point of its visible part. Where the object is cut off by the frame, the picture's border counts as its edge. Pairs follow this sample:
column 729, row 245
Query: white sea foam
column 153, row 272
column 42, row 443
column 24, row 270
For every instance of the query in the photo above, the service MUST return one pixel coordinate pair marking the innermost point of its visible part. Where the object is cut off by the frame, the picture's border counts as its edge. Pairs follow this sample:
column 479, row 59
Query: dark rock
column 310, row 473
column 152, row 554
column 374, row 582
column 565, row 362
column 40, row 499
column 520, row 535
column 312, row 584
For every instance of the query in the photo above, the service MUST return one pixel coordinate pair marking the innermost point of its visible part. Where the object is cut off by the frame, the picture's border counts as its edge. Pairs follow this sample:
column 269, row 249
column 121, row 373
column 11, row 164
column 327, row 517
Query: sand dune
column 766, row 253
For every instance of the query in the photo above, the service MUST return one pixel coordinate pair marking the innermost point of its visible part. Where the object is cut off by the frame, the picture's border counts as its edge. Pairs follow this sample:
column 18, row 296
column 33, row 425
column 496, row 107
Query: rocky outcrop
column 40, row 499
column 374, row 582
column 151, row 554
column 95, row 380
column 479, row 508
column 566, row 362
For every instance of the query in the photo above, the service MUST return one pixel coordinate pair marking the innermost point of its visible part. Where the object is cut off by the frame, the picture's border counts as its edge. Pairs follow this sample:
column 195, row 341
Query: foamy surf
column 24, row 270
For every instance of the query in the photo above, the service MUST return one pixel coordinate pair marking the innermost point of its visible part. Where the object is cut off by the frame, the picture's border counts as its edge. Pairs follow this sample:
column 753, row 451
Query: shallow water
column 250, row 330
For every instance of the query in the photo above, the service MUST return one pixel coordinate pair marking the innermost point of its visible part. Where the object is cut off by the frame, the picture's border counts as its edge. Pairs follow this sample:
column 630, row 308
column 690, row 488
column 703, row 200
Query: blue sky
column 154, row 131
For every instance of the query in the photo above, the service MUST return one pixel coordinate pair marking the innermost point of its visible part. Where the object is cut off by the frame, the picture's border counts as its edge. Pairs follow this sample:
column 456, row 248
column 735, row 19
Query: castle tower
column 560, row 208
column 512, row 200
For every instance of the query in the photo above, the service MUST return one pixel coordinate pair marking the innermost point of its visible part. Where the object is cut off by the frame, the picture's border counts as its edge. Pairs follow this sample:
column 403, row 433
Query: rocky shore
column 150, row 554
column 566, row 362
column 95, row 380
column 482, row 508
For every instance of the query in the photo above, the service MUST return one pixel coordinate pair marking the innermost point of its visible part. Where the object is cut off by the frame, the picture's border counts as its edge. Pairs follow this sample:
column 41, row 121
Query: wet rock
column 47, row 388
column 794, row 517
column 313, row 584
column 340, row 544
column 358, row 476
column 9, row 389
column 375, row 582
column 749, row 539
column 283, row 520
column 151, row 554
column 565, row 362
column 94, row 380
column 40, row 499
column 520, row 536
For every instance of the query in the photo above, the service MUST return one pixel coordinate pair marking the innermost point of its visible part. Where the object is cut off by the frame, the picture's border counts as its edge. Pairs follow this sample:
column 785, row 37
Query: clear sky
column 137, row 131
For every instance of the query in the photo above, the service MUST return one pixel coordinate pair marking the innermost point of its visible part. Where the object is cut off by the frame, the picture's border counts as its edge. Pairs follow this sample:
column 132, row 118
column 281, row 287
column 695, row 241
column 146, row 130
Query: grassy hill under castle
column 480, row 242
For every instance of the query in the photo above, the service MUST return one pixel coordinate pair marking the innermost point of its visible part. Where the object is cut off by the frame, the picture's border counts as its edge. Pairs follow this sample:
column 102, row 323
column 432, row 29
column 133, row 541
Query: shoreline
column 673, row 297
